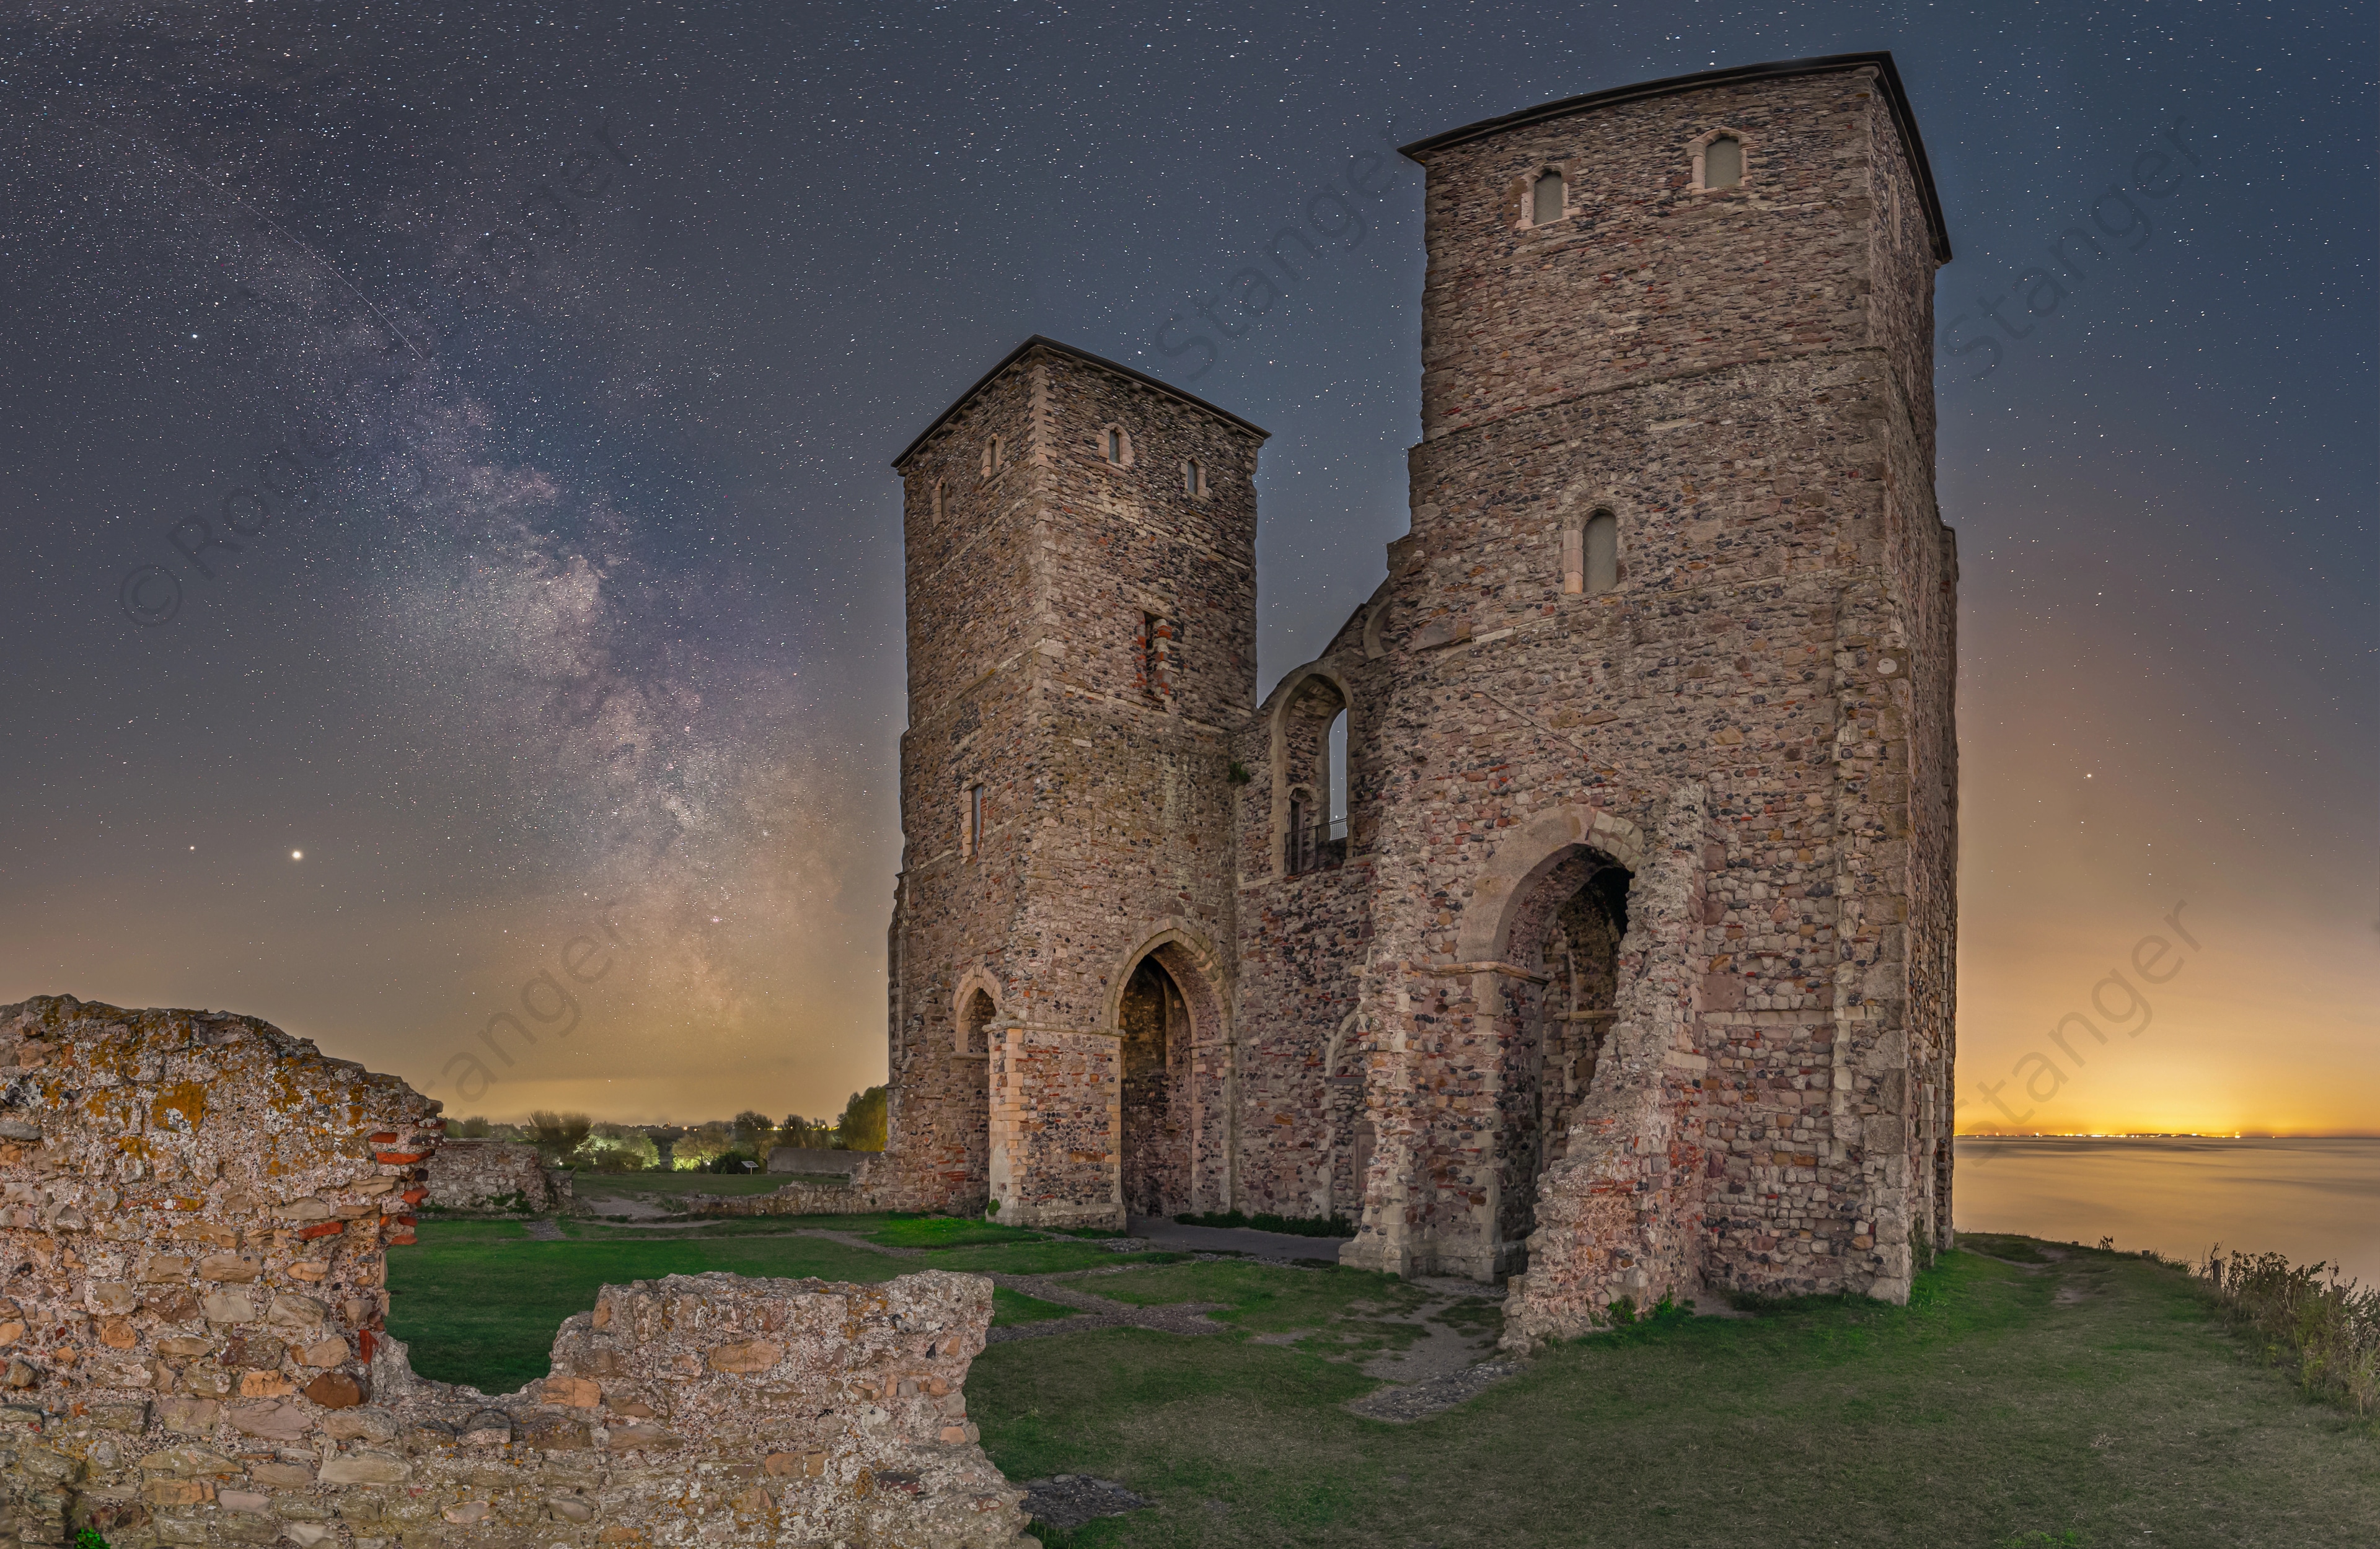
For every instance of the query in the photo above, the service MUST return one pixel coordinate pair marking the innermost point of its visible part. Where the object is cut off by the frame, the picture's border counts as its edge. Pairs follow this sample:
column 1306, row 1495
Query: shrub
column 2304, row 1317
column 558, row 1136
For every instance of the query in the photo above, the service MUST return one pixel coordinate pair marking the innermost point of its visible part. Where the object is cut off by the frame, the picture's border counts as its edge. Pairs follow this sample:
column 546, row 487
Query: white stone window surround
column 995, row 455
column 1194, row 478
column 1701, row 143
column 1115, row 453
column 1528, row 221
column 1591, row 561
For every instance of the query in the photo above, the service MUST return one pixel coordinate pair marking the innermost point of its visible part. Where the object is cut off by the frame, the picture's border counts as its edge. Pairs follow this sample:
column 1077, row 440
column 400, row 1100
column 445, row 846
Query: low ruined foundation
column 195, row 1214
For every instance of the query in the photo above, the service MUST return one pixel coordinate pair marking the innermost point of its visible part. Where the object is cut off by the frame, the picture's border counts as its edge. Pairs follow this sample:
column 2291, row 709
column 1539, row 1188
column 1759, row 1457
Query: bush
column 2305, row 1318
column 558, row 1136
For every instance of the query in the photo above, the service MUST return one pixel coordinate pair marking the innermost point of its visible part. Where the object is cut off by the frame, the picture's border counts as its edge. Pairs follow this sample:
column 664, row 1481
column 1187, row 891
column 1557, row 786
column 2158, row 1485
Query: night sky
column 543, row 363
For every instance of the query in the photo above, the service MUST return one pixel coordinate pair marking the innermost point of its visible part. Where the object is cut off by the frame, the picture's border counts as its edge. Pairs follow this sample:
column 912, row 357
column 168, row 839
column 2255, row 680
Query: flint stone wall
column 195, row 1212
column 495, row 1175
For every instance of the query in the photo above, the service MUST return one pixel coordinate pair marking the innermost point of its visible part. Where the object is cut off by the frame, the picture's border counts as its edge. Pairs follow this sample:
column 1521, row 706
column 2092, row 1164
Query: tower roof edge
column 1058, row 347
column 1902, row 116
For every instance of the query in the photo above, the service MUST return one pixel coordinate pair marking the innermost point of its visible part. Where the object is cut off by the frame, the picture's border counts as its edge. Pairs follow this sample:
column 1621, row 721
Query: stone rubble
column 196, row 1211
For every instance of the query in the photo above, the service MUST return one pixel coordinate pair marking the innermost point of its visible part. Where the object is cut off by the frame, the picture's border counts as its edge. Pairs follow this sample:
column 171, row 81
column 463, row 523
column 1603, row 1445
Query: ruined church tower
column 1081, row 584
column 1614, row 957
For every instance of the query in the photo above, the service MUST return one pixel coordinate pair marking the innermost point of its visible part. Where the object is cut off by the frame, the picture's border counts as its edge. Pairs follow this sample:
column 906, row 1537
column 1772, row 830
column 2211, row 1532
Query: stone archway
column 1548, row 911
column 1153, row 1027
column 1564, row 935
column 1168, row 1010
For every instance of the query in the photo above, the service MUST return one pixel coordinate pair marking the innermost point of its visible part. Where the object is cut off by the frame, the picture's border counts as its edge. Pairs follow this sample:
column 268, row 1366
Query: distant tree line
column 738, row 1144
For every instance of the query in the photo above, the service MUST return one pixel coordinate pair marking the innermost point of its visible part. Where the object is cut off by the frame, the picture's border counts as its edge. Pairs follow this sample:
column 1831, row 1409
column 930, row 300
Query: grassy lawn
column 1010, row 1307
column 2090, row 1396
column 1349, row 1309
column 479, row 1301
column 2094, row 1396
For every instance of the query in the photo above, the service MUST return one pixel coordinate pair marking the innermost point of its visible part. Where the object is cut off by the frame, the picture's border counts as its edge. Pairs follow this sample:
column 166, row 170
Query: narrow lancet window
column 1602, row 556
column 1546, row 203
column 1115, row 445
column 1194, row 478
column 1723, row 164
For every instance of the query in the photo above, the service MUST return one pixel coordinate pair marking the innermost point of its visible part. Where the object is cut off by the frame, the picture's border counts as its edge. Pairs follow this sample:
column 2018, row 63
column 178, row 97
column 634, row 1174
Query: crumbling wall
column 497, row 1175
column 1620, row 1215
column 198, row 1209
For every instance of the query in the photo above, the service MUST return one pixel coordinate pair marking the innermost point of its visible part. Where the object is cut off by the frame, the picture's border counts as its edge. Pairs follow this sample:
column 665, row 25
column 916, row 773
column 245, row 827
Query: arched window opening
column 1194, row 478
column 1546, row 200
column 1723, row 162
column 995, row 455
column 1601, row 545
column 1115, row 445
column 975, row 1027
column 1310, row 749
column 1338, row 787
column 938, row 500
column 971, row 822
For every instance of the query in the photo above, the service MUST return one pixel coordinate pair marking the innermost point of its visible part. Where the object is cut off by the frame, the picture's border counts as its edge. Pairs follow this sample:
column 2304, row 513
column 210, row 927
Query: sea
column 2181, row 1195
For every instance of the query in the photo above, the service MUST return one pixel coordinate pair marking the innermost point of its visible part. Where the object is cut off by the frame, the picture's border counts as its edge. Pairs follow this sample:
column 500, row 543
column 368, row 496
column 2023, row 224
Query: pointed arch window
column 1545, row 199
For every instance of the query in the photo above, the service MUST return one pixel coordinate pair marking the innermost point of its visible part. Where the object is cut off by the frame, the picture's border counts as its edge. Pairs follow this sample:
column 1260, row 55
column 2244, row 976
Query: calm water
column 2311, row 1199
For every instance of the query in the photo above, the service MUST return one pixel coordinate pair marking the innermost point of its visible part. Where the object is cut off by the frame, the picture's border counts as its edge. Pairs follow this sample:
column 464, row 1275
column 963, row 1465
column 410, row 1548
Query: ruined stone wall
column 1619, row 1216
column 493, row 1174
column 1302, row 938
column 198, row 1212
column 1056, row 1099
column 1708, row 367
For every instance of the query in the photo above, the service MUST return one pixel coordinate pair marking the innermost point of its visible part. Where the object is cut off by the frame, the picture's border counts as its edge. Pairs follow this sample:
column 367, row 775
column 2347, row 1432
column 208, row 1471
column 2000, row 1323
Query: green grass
column 1354, row 1312
column 479, row 1301
column 946, row 1231
column 1009, row 1308
column 1986, row 1411
column 2093, row 1400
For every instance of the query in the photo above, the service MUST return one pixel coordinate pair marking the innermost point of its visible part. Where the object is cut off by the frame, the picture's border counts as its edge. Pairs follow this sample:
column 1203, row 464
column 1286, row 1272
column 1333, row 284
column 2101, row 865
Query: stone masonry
column 1625, row 968
column 198, row 1212
column 493, row 1174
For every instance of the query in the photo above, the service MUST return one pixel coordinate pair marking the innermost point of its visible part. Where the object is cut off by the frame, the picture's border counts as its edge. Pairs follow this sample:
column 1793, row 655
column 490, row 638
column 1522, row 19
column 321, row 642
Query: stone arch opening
column 977, row 1028
column 1309, row 772
column 1154, row 1025
column 1563, row 938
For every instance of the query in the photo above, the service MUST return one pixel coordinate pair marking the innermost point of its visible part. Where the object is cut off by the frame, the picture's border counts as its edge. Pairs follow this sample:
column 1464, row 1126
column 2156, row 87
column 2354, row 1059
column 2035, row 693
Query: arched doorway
column 974, row 1036
column 1566, row 936
column 1153, row 1023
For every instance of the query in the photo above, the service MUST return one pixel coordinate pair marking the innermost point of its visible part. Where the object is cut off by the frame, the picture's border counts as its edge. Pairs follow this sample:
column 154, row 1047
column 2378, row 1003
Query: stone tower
column 1659, row 990
column 1081, row 584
